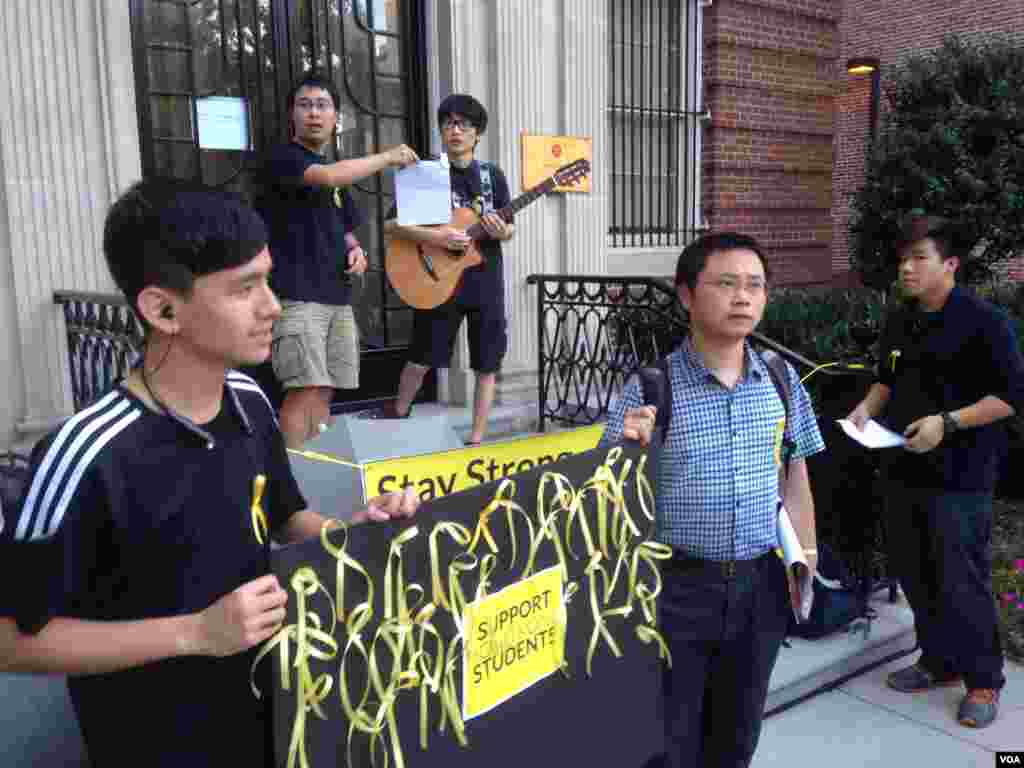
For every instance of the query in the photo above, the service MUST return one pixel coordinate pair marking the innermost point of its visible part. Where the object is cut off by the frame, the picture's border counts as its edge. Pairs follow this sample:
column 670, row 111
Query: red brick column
column 769, row 79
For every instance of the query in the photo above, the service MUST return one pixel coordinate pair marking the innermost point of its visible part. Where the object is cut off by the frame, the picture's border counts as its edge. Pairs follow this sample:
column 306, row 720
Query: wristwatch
column 949, row 424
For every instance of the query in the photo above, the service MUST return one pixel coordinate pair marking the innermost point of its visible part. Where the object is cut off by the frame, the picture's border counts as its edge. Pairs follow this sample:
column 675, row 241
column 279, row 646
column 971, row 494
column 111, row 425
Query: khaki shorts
column 316, row 345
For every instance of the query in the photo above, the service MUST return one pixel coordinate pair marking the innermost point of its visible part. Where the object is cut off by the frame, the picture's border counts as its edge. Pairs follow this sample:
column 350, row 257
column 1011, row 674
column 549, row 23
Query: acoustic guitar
column 426, row 275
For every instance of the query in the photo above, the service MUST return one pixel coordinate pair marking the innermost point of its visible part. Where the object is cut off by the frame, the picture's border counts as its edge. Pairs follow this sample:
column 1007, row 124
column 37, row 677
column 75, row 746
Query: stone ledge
column 808, row 665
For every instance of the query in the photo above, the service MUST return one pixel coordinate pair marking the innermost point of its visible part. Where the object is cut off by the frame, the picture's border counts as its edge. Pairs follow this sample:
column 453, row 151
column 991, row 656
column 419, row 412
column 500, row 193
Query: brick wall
column 769, row 78
column 785, row 149
column 890, row 31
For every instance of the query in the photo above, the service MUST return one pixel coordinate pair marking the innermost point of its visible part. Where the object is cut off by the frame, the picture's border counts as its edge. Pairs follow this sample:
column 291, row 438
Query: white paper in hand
column 796, row 563
column 423, row 194
column 874, row 435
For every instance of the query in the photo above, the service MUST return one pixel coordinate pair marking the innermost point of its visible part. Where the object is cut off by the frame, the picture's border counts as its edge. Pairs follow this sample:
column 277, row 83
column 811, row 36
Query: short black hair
column 314, row 79
column 694, row 257
column 168, row 233
column 465, row 105
column 945, row 233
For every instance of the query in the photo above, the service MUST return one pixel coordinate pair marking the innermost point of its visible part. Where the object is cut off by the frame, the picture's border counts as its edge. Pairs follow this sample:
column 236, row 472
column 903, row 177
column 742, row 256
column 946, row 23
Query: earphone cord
column 145, row 379
column 184, row 421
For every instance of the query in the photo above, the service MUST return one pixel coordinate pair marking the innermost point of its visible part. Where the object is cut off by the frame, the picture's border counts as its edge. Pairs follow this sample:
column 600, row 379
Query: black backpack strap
column 776, row 366
column 657, row 391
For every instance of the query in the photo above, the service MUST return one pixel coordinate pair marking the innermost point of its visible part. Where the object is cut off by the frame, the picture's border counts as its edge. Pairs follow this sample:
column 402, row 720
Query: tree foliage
column 952, row 144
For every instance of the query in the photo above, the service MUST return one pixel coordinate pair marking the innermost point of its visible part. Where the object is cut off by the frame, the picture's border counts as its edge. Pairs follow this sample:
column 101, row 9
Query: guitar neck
column 478, row 232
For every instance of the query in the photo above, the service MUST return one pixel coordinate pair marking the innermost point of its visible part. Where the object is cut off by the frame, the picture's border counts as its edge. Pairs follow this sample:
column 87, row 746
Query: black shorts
column 434, row 332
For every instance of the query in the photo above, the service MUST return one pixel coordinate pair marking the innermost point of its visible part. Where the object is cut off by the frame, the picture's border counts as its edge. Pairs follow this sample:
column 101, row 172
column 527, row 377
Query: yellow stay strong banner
column 438, row 474
column 513, row 639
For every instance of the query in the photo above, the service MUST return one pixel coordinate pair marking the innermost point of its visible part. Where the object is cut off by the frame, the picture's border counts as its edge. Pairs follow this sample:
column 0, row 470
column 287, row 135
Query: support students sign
column 514, row 638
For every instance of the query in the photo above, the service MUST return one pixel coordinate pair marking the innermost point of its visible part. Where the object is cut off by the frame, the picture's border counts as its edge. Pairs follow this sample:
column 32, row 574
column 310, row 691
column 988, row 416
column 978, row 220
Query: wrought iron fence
column 593, row 333
column 104, row 341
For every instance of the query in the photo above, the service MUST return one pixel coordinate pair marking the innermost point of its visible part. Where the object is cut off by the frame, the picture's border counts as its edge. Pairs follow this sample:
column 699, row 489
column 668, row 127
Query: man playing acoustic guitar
column 481, row 293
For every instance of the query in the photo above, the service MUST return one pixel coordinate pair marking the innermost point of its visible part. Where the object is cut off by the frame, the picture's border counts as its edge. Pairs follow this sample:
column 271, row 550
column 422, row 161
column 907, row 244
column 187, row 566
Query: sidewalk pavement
column 863, row 722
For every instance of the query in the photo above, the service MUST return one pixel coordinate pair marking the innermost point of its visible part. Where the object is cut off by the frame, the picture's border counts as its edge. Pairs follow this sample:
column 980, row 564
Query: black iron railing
column 104, row 341
column 594, row 332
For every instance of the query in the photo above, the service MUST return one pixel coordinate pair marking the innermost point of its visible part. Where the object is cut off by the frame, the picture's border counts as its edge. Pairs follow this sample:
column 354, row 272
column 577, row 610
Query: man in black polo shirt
column 481, row 292
column 311, row 218
column 949, row 371
column 135, row 564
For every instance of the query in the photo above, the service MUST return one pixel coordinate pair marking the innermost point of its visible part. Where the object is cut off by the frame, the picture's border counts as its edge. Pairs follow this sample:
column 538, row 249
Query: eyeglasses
column 731, row 284
column 306, row 105
column 462, row 125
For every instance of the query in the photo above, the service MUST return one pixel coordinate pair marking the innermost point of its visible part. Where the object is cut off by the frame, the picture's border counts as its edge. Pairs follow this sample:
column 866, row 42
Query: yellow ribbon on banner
column 460, row 534
column 310, row 692
column 548, row 513
column 363, row 611
column 407, row 640
column 483, row 530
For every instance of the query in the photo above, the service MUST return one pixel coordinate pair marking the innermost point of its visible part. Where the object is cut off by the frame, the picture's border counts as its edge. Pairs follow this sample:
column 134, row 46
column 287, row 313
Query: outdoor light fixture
column 868, row 65
column 863, row 65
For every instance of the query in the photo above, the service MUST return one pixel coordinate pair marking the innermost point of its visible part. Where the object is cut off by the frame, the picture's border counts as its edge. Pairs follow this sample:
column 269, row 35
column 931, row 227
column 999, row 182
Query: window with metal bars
column 654, row 122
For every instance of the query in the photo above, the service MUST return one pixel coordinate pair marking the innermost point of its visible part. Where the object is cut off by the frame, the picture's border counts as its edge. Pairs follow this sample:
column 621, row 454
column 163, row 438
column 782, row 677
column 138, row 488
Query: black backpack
column 838, row 600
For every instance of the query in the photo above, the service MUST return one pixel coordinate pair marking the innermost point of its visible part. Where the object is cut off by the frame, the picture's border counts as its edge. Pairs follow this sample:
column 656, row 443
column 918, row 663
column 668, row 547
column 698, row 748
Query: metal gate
column 190, row 54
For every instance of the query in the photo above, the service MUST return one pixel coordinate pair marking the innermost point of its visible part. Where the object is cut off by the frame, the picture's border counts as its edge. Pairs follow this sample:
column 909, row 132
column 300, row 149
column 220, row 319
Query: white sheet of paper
column 796, row 562
column 423, row 194
column 223, row 123
column 874, row 435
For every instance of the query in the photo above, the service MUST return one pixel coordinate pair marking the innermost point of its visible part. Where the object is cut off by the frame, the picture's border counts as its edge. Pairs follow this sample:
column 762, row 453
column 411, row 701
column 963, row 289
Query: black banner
column 368, row 670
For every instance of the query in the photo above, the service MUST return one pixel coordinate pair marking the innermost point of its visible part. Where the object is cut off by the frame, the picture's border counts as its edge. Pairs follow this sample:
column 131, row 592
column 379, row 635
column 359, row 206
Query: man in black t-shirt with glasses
column 136, row 564
column 311, row 220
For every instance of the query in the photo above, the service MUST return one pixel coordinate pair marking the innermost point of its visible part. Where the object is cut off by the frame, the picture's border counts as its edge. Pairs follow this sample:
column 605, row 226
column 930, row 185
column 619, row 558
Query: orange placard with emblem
column 543, row 155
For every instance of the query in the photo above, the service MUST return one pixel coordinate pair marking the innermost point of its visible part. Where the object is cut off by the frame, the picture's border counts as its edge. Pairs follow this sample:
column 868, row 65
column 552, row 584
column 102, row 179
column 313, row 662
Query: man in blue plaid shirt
column 726, row 600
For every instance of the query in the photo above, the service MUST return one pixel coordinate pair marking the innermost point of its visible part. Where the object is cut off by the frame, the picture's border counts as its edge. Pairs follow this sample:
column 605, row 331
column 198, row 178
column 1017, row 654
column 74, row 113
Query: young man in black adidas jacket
column 725, row 604
column 135, row 565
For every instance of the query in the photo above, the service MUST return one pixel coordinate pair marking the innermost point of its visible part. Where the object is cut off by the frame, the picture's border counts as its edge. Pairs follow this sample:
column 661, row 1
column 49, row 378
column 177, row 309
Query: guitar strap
column 481, row 191
column 486, row 189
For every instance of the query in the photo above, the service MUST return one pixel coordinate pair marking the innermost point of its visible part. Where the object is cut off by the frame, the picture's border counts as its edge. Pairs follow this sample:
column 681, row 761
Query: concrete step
column 507, row 419
column 807, row 665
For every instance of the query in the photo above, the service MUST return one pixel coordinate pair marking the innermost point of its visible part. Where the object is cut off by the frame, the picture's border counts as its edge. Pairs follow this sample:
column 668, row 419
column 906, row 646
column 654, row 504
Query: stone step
column 808, row 665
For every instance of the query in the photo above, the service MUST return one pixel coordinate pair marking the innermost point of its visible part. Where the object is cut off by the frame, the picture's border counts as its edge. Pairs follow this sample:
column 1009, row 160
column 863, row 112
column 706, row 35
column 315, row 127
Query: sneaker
column 979, row 707
column 916, row 679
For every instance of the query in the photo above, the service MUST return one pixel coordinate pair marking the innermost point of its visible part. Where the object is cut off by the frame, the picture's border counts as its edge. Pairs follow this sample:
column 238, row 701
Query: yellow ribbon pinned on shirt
column 260, row 527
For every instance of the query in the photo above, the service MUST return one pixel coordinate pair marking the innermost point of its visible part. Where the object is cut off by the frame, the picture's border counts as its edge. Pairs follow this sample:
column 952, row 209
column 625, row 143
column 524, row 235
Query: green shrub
column 817, row 324
column 950, row 143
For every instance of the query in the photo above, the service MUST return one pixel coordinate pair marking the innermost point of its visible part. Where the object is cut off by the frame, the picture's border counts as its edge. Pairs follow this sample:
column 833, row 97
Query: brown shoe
column 979, row 707
column 916, row 679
